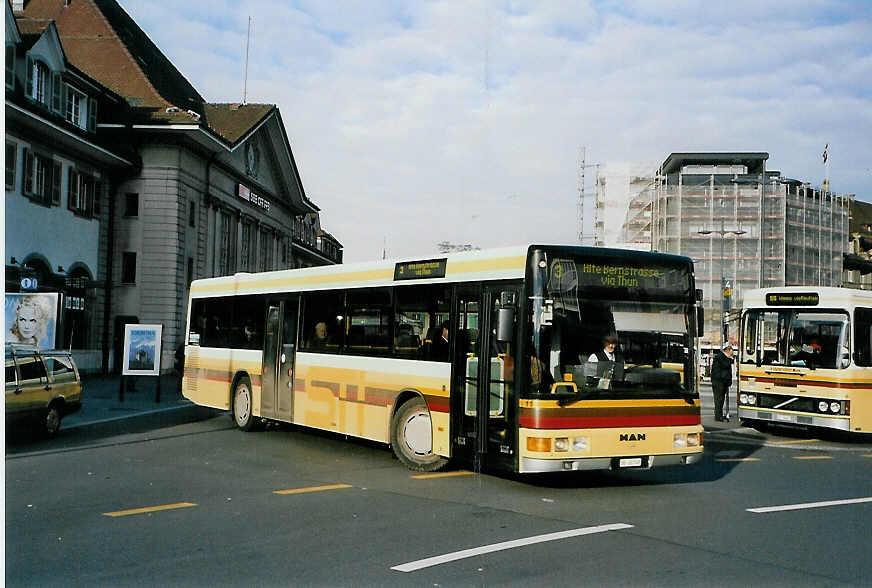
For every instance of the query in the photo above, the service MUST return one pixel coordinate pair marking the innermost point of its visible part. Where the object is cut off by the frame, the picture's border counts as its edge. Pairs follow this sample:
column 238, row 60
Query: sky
column 414, row 123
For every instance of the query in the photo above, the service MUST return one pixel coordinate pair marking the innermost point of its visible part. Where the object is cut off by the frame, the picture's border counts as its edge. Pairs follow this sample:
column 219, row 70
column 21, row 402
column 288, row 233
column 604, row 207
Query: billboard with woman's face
column 32, row 319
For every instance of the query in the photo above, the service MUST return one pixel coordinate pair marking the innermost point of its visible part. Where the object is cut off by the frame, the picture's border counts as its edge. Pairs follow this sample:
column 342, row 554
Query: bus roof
column 490, row 264
column 805, row 297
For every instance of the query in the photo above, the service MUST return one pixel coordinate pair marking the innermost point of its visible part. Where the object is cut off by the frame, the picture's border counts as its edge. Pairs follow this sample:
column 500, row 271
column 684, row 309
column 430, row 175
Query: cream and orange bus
column 478, row 357
column 806, row 358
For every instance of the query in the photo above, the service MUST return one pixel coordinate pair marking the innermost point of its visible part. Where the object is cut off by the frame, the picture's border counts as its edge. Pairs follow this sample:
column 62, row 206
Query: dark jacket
column 722, row 368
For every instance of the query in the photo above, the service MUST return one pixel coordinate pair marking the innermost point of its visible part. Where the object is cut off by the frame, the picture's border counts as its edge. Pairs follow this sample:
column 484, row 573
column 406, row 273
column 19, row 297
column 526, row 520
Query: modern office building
column 745, row 227
column 168, row 187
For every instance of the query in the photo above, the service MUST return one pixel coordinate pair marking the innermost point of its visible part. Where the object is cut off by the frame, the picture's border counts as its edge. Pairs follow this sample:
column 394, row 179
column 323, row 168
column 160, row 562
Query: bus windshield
column 797, row 338
column 611, row 327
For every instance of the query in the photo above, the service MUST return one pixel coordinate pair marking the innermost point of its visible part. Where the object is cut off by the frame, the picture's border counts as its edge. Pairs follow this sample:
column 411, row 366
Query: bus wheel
column 242, row 404
column 412, row 437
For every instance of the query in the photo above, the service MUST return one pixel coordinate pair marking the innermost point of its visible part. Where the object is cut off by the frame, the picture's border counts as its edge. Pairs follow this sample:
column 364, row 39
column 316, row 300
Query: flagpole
column 826, row 156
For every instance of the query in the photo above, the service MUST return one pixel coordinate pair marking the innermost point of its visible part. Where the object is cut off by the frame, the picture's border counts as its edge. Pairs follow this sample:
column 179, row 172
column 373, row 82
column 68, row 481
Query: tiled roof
column 232, row 121
column 129, row 63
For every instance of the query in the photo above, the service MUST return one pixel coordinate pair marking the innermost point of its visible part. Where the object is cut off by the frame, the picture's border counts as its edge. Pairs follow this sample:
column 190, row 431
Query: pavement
column 102, row 402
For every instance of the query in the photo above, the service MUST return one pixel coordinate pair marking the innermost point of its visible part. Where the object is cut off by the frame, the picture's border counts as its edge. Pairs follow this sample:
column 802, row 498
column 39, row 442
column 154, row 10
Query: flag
column 824, row 154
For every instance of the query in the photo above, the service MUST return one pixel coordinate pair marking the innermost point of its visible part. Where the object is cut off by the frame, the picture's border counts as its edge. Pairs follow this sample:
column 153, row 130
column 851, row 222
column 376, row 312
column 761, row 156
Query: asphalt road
column 201, row 504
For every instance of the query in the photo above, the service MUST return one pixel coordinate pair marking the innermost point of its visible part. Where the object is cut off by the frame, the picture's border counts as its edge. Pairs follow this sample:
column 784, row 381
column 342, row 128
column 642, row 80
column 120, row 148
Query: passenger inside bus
column 439, row 348
column 320, row 338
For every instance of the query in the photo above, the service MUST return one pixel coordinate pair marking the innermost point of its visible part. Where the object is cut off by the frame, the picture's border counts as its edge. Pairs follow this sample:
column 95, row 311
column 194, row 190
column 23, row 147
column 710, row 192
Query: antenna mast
column 245, row 80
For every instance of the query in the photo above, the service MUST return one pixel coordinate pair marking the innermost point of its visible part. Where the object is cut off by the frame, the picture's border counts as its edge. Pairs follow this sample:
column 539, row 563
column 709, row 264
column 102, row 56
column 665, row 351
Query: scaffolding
column 743, row 226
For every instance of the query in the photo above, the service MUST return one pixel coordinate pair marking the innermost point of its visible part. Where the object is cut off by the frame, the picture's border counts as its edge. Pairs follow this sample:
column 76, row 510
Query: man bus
column 806, row 358
column 354, row 349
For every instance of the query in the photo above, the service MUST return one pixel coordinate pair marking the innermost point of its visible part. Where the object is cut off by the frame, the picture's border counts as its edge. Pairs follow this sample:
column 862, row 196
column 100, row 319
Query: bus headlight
column 581, row 444
column 679, row 440
column 561, row 444
column 743, row 398
column 693, row 440
column 835, row 407
column 752, row 399
column 822, row 406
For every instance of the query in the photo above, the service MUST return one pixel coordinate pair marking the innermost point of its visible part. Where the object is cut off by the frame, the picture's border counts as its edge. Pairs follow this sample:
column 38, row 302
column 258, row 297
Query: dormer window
column 40, row 82
column 44, row 86
column 80, row 110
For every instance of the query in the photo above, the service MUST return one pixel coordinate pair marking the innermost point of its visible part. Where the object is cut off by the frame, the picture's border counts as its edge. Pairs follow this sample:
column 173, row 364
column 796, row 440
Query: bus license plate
column 630, row 462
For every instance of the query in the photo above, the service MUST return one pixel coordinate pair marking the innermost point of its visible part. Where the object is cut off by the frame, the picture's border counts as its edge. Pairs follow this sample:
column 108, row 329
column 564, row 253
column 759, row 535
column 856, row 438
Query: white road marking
column 765, row 509
column 448, row 557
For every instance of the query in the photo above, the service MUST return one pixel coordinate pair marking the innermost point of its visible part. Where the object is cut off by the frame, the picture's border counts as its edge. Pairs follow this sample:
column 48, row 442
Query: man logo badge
column 632, row 437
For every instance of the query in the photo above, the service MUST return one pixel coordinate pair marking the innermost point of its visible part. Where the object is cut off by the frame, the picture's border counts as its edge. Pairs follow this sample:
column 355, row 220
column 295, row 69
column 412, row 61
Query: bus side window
column 370, row 321
column 863, row 339
column 420, row 311
column 248, row 319
column 323, row 321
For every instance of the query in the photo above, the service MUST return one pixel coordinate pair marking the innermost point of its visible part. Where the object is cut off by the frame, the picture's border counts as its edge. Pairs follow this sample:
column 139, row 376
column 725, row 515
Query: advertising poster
column 142, row 350
column 32, row 319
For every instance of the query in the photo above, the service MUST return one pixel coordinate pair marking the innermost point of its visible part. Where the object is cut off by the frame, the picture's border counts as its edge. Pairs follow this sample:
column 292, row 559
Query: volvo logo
column 632, row 437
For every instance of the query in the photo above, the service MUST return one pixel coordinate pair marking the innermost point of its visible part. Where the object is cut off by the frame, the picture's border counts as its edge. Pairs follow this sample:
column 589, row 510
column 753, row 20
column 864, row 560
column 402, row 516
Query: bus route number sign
column 420, row 270
column 792, row 299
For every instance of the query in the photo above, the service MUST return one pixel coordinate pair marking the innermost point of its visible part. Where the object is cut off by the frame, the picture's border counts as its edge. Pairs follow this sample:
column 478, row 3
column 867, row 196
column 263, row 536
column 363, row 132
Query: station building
column 175, row 188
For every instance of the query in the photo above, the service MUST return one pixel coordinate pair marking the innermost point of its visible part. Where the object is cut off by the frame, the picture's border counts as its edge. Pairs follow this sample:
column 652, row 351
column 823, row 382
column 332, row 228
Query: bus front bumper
column 607, row 463
column 842, row 423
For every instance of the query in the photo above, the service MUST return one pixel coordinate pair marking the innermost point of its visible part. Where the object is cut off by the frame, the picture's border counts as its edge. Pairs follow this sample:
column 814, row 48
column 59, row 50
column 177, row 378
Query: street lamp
column 724, row 304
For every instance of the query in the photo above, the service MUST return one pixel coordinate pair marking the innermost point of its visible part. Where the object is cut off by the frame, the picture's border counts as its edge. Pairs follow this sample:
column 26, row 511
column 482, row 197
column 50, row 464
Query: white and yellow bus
column 806, row 358
column 358, row 349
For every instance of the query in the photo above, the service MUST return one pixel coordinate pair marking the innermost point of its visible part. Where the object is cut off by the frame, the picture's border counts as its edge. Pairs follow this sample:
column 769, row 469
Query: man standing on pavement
column 722, row 379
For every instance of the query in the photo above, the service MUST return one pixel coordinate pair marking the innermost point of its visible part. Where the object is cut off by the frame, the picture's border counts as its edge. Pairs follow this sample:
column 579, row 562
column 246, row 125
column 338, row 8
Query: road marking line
column 457, row 555
column 312, row 489
column 867, row 455
column 441, row 475
column 813, row 457
column 148, row 509
column 738, row 459
column 765, row 509
column 795, row 441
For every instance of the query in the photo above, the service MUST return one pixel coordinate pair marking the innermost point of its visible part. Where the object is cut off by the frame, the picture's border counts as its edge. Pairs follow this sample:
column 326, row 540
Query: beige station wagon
column 41, row 385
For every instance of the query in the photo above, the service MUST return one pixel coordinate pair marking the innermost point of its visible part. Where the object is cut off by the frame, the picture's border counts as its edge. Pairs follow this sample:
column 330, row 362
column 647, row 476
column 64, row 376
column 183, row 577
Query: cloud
column 414, row 122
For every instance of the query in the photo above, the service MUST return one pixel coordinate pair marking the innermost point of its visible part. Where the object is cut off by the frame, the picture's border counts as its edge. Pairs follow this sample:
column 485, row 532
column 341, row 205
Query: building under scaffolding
column 744, row 226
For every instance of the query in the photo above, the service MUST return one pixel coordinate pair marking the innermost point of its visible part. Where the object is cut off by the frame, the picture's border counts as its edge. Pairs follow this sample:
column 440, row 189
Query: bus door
column 280, row 338
column 483, row 391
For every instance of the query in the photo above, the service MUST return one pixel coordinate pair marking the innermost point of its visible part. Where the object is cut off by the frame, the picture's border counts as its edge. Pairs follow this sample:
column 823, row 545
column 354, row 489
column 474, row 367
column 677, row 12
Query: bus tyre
column 242, row 404
column 412, row 437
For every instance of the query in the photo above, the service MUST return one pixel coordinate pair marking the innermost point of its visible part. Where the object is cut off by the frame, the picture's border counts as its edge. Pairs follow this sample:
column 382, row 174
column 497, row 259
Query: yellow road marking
column 441, row 475
column 738, row 459
column 813, row 457
column 867, row 455
column 148, row 509
column 795, row 441
column 312, row 489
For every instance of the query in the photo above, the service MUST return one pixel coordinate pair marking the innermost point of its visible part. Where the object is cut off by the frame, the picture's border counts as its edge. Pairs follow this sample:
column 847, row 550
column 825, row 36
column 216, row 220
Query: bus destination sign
column 420, row 270
column 792, row 299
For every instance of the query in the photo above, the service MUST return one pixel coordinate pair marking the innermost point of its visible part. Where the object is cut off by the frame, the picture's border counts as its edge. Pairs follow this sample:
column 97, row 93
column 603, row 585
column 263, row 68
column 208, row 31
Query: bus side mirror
column 505, row 324
column 700, row 319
